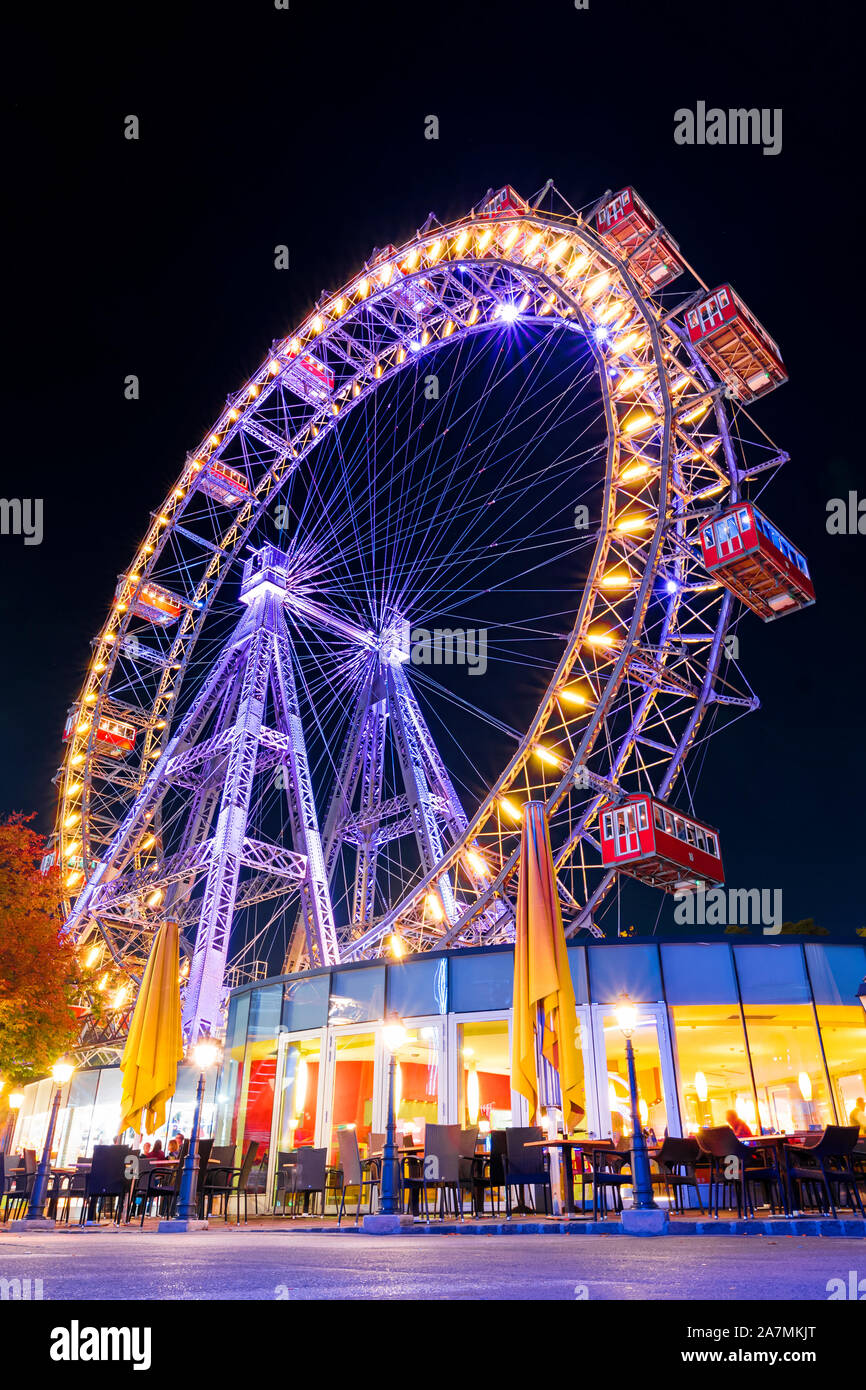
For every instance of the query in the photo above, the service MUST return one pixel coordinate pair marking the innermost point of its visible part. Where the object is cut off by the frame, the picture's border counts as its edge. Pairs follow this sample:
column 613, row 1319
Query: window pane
column 484, row 1074
column 700, row 974
column 789, row 1076
column 836, row 972
column 357, row 996
column 843, row 1030
column 577, row 965
column 771, row 975
column 713, row 1066
column 647, row 1057
column 633, row 969
column 305, row 1003
column 299, row 1099
column 74, row 1121
column 416, row 1083
column 265, row 1009
column 482, row 982
column 106, row 1110
column 181, row 1108
column 418, row 987
column 229, row 1086
column 353, row 1088
column 259, row 1071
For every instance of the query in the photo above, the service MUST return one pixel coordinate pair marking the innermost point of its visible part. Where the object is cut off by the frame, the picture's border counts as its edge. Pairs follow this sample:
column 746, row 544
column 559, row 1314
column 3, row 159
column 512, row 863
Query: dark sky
column 306, row 127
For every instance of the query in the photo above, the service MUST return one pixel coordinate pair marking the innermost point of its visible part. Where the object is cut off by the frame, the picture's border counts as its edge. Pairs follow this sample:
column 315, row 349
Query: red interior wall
column 260, row 1099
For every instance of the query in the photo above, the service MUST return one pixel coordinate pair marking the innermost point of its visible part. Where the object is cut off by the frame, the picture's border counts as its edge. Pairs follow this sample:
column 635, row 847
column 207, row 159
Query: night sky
column 261, row 127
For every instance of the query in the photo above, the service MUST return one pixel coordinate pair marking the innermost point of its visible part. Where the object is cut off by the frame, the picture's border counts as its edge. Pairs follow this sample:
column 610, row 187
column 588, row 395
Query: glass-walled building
column 773, row 1031
column 89, row 1113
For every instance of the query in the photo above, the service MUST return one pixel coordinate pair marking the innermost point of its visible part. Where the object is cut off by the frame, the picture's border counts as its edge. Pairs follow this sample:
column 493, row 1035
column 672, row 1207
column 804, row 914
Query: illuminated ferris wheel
column 470, row 536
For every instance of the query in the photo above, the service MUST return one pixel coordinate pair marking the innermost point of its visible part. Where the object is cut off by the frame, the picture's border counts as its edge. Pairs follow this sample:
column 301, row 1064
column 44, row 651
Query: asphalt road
column 279, row 1263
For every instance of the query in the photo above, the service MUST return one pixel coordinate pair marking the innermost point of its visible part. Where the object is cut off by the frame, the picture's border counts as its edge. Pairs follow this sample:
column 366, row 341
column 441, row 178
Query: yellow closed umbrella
column 543, row 991
column 155, row 1043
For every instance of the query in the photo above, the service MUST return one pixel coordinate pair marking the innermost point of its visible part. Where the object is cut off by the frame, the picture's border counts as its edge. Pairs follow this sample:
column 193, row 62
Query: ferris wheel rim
column 602, row 254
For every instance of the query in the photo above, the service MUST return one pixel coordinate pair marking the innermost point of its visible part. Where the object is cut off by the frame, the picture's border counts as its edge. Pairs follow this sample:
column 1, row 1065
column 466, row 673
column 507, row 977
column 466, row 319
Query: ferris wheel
column 442, row 554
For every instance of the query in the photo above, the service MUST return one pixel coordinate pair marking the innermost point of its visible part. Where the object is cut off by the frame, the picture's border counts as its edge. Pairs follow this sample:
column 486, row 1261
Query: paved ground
column 278, row 1262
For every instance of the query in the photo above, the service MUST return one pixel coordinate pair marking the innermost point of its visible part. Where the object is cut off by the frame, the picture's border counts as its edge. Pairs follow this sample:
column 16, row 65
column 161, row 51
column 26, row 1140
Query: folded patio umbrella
column 155, row 1043
column 544, row 1006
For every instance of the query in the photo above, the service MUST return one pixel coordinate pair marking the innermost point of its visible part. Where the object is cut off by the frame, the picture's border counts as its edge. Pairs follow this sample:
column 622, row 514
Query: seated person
column 740, row 1128
column 858, row 1115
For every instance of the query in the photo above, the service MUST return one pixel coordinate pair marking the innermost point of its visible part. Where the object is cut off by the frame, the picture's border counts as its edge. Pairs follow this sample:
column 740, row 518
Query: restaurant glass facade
column 773, row 1031
column 89, row 1112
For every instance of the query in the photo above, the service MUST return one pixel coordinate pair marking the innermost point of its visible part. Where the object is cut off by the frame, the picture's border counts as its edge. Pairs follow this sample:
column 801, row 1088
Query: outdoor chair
column 205, row 1148
column 375, row 1149
column 610, row 1171
column 139, row 1188
column 306, row 1176
column 734, row 1165
column 68, row 1190
column 15, row 1185
column 239, row 1185
column 106, row 1182
column 214, row 1184
column 489, row 1174
column 677, row 1161
column 468, row 1163
column 160, row 1184
column 526, row 1167
column 285, row 1175
column 818, row 1168
column 440, row 1169
column 355, row 1171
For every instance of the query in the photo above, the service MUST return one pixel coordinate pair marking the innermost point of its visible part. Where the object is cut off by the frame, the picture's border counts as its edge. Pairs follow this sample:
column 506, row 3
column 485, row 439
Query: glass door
column 482, row 1048
column 348, row 1088
column 298, row 1101
column 656, row 1084
column 420, row 1090
column 625, row 831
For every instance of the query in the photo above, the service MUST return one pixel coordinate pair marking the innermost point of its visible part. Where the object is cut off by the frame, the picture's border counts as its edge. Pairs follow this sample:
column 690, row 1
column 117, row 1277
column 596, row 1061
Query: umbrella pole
column 543, row 1070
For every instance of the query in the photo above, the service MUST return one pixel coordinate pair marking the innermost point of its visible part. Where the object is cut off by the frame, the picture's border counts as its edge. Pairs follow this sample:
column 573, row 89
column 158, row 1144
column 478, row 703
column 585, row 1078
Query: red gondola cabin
column 738, row 348
column 224, row 484
column 309, row 378
column 153, row 602
column 659, row 845
column 628, row 226
column 756, row 562
column 504, row 203
column 117, row 734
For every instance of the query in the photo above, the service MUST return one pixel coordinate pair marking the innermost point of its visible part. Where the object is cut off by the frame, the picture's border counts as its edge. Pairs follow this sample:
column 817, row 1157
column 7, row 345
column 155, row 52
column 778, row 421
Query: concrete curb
column 838, row 1228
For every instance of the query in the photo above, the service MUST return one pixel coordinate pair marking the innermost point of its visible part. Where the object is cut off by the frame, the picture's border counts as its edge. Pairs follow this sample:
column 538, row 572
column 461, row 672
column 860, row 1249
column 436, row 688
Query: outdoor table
column 567, row 1145
column 412, row 1151
column 779, row 1144
column 57, row 1177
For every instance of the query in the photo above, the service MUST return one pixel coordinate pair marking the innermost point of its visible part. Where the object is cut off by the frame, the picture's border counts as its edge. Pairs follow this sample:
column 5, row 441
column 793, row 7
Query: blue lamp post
column 205, row 1054
column 642, row 1187
column 394, row 1035
column 61, row 1072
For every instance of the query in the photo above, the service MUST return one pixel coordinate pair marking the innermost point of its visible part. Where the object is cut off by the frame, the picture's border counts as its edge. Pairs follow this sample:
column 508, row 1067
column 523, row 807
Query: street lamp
column 205, row 1054
column 394, row 1036
column 642, row 1187
column 61, row 1072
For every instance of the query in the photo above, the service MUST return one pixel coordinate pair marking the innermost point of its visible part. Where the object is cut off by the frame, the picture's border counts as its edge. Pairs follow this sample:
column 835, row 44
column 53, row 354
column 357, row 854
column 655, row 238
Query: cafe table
column 566, row 1144
column 779, row 1144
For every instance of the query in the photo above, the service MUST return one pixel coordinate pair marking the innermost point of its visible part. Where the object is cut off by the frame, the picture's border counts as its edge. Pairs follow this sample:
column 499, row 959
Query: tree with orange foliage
column 37, row 964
